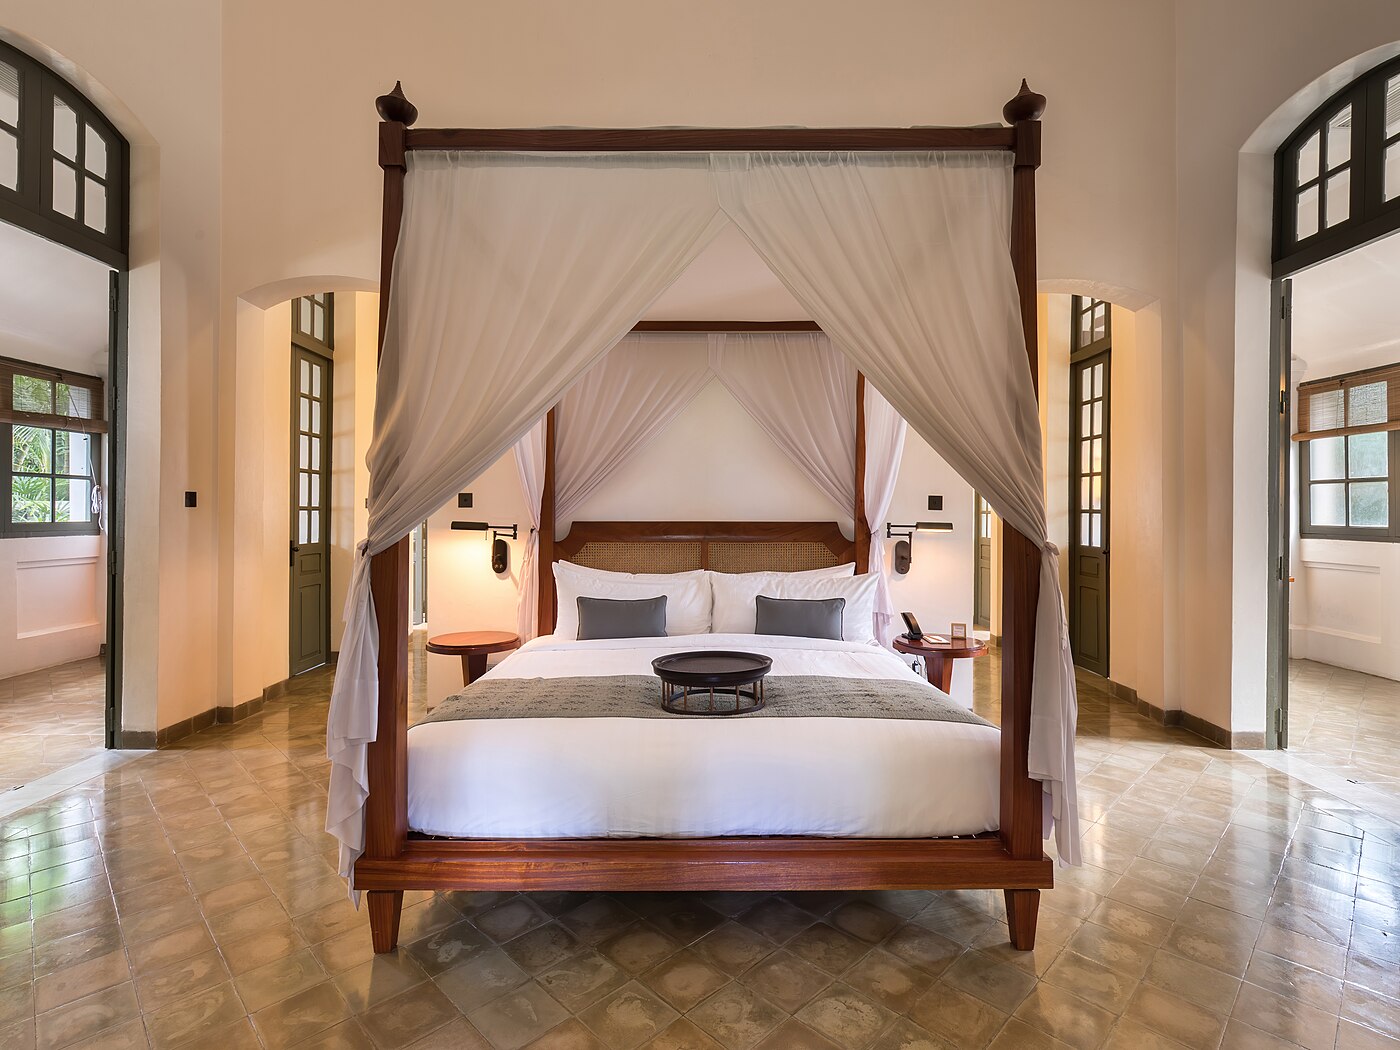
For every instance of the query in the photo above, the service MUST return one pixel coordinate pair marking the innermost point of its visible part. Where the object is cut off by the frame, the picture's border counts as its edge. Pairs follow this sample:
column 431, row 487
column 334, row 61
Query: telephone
column 914, row 633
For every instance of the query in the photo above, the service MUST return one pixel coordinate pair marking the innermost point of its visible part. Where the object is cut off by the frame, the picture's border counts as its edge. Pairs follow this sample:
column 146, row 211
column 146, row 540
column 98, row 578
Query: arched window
column 63, row 166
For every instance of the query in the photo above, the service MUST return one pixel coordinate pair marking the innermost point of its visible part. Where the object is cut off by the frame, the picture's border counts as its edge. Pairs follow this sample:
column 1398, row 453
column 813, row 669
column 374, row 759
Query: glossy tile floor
column 49, row 720
column 1347, row 724
column 189, row 898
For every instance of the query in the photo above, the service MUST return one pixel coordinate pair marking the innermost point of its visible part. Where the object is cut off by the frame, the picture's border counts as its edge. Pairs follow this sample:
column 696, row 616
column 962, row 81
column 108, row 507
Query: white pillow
column 687, row 599
column 858, row 624
column 734, row 593
column 624, row 577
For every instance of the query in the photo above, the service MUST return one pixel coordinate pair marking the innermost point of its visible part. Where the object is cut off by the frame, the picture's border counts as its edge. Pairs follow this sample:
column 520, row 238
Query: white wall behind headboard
column 712, row 463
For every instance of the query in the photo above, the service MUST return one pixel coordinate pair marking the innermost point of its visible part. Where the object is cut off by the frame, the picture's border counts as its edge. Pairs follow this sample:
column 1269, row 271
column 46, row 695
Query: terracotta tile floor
column 188, row 898
column 49, row 720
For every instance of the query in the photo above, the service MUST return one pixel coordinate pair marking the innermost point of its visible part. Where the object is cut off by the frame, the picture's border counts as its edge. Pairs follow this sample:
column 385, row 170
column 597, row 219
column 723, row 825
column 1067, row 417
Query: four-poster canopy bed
column 1012, row 858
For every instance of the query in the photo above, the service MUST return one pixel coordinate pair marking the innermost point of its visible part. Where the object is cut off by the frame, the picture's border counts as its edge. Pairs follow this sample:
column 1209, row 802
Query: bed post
column 544, row 550
column 386, row 808
column 862, row 526
column 1021, row 807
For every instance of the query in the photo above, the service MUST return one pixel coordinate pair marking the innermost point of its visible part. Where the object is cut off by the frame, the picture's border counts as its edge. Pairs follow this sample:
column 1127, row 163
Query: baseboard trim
column 136, row 740
column 222, row 715
column 177, row 731
column 276, row 690
column 1202, row 728
column 238, row 712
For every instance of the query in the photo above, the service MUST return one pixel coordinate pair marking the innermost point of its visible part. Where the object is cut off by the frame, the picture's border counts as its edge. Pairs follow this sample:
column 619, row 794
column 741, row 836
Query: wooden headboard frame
column 826, row 532
column 726, row 546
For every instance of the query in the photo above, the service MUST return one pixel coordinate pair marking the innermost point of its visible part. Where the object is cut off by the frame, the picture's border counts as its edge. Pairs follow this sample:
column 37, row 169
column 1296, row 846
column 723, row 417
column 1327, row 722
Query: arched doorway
column 1333, row 501
column 64, row 190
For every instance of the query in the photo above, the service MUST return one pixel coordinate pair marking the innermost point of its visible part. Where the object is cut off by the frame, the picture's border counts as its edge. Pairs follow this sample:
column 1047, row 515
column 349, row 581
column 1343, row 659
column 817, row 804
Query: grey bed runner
column 639, row 696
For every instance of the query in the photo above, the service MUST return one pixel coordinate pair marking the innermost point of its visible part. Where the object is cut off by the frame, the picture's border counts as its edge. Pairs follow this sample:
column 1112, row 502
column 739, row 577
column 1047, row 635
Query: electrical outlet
column 935, row 503
column 464, row 499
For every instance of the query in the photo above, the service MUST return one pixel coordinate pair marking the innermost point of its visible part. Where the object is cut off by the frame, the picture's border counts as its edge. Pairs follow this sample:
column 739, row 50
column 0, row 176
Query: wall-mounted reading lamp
column 500, row 552
column 903, row 551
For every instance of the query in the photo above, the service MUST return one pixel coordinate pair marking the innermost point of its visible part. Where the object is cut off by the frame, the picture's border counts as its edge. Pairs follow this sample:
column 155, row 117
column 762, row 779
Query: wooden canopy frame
column 1013, row 859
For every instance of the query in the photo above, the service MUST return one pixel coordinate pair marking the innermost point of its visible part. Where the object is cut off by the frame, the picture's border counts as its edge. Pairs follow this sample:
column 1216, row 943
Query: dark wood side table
column 473, row 647
column 938, row 657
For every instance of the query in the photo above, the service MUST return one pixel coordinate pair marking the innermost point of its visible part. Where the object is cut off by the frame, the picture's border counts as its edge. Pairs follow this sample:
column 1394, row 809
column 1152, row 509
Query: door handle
column 292, row 557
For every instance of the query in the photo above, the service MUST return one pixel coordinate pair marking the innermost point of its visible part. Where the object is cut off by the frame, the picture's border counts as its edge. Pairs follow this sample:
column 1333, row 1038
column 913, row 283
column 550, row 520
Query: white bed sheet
column 699, row 777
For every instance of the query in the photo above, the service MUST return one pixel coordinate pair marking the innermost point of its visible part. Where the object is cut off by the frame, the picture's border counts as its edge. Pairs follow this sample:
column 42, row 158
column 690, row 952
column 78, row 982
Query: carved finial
column 394, row 106
column 1027, row 105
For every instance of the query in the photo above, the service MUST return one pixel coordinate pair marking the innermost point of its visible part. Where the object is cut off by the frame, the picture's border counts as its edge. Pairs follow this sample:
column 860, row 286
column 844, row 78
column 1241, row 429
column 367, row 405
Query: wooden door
column 1280, row 523
column 1090, row 385
column 982, row 578
column 310, row 541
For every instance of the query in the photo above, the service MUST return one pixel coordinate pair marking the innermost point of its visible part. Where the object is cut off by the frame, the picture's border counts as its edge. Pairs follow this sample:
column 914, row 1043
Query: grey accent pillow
column 621, row 618
column 800, row 617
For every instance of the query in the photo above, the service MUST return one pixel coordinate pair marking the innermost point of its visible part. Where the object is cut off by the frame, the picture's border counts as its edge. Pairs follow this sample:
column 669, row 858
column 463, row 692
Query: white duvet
column 697, row 777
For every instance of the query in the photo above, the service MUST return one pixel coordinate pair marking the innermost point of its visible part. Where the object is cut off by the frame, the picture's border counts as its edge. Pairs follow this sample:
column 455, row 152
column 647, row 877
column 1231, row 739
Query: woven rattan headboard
column 724, row 546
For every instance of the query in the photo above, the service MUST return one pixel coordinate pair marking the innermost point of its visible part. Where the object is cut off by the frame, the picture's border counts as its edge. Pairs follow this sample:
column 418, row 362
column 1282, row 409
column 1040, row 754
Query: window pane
column 315, row 453
column 1084, row 529
column 1308, row 155
column 316, row 381
column 304, row 420
column 305, row 374
column 1084, row 493
column 1085, row 464
column 9, row 94
column 1392, row 171
column 32, row 450
column 1325, row 459
column 1339, row 138
column 304, row 487
column 1098, row 380
column 1307, row 213
column 1366, row 404
column 31, row 499
column 304, row 316
column 315, row 526
column 95, row 205
column 1097, row 499
column 1325, row 410
column 95, row 152
column 65, row 189
column 1086, row 421
column 1098, row 455
column 304, row 452
column 1098, row 417
column 72, row 499
column 302, row 527
column 9, row 160
column 73, row 401
column 1339, row 197
column 1327, row 504
column 65, row 130
column 1086, row 385
column 1392, row 106
column 1370, row 504
column 316, row 416
column 1368, row 456
column 72, row 452
column 32, row 394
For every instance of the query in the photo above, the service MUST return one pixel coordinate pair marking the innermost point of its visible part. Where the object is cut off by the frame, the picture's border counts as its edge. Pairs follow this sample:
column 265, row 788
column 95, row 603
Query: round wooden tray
column 711, row 681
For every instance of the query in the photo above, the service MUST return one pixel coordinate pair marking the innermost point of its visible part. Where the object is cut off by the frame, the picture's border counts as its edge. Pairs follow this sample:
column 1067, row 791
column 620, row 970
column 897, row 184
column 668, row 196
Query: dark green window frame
column 313, row 322
column 45, row 426
column 95, row 162
column 1343, row 164
column 1349, row 425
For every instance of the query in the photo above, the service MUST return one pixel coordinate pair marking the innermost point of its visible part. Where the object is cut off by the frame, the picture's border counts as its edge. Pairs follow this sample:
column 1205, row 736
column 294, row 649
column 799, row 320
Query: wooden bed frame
column 1013, row 860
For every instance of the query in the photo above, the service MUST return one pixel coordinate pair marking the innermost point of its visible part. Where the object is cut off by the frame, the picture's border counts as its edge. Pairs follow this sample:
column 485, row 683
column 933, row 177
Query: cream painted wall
column 171, row 112
column 1243, row 74
column 1150, row 107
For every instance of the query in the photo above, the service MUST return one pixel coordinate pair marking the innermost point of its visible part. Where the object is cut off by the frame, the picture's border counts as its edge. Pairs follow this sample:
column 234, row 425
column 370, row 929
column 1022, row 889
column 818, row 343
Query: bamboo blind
column 1364, row 402
column 53, row 399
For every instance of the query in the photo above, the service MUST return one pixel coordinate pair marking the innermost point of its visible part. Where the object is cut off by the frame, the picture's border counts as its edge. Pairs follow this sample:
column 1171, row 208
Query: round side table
column 473, row 647
column 938, row 657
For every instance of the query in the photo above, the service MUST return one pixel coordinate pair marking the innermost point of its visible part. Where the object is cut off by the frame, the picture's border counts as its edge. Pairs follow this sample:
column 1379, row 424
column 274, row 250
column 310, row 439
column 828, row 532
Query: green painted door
column 310, row 541
column 1089, row 478
column 982, row 578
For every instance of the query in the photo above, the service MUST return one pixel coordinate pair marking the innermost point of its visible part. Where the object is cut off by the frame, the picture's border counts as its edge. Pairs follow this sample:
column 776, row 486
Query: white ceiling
column 728, row 282
column 1347, row 307
column 53, row 303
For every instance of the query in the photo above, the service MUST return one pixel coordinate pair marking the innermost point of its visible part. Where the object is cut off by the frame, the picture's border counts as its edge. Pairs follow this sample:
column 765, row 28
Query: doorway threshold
column 1368, row 799
column 60, row 780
